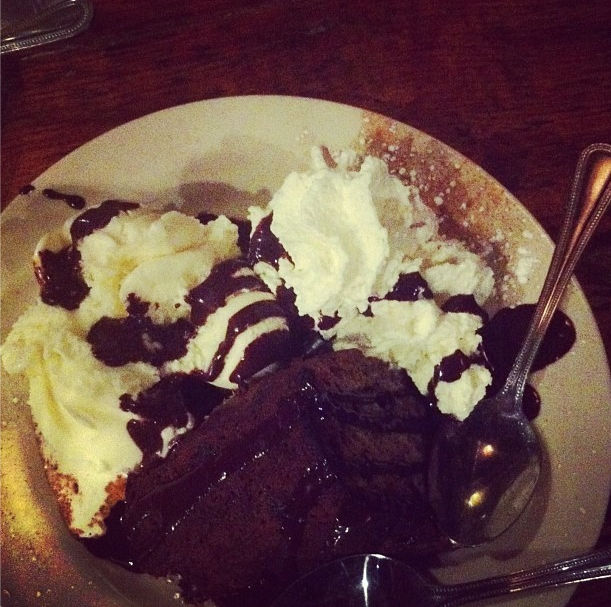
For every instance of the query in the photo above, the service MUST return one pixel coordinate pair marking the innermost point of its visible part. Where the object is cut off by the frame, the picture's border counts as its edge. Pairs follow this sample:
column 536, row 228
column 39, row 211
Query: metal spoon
column 483, row 471
column 371, row 580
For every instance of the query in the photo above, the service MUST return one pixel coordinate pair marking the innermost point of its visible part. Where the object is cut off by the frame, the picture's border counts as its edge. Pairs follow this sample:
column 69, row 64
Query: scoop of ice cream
column 74, row 399
column 241, row 329
column 154, row 257
column 130, row 297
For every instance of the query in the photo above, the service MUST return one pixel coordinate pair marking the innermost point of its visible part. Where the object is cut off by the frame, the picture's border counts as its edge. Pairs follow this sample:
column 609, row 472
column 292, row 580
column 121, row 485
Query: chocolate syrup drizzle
column 465, row 304
column 410, row 287
column 264, row 244
column 180, row 400
column 240, row 322
column 176, row 400
column 26, row 189
column 74, row 201
column 59, row 273
column 226, row 278
column 98, row 217
column 60, row 278
column 450, row 368
column 271, row 348
column 136, row 338
column 454, row 365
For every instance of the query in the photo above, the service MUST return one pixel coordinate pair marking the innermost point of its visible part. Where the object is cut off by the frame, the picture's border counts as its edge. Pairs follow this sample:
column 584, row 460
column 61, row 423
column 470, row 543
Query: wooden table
column 519, row 87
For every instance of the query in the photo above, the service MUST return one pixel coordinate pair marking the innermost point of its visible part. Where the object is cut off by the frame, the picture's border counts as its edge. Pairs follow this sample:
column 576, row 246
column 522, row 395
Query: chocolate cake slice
column 323, row 458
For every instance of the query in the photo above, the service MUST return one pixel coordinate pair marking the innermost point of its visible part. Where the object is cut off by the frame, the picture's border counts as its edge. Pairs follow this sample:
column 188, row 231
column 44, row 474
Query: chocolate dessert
column 269, row 388
column 321, row 459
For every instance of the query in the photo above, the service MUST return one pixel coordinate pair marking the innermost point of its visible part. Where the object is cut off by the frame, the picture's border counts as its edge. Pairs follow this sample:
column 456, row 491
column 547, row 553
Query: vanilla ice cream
column 74, row 399
column 131, row 324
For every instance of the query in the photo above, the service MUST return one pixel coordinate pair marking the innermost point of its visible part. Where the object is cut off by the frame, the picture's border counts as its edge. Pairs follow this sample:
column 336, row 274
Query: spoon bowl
column 486, row 470
column 373, row 580
column 483, row 471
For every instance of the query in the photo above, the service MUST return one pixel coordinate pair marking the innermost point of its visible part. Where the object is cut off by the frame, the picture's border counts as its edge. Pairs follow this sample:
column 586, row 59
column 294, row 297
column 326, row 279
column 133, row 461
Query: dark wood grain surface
column 519, row 87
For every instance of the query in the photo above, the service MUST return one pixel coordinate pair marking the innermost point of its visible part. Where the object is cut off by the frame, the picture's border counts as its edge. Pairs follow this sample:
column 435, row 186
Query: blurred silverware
column 28, row 23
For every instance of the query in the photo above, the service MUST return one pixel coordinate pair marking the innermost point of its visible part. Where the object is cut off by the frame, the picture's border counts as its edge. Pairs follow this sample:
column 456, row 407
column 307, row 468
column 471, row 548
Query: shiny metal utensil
column 29, row 23
column 371, row 580
column 484, row 470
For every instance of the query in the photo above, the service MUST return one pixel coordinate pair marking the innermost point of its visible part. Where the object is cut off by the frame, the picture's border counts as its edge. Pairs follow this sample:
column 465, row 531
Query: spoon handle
column 591, row 566
column 589, row 198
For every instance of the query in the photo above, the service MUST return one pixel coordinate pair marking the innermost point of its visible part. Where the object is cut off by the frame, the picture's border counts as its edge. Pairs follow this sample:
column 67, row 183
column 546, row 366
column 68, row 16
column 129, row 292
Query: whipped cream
column 348, row 234
column 350, row 230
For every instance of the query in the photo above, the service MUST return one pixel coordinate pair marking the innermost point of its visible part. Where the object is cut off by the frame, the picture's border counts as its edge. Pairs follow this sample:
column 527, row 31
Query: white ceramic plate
column 222, row 155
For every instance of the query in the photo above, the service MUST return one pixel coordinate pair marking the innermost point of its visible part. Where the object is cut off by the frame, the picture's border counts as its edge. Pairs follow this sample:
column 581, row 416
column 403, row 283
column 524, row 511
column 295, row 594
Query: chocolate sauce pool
column 504, row 335
column 502, row 338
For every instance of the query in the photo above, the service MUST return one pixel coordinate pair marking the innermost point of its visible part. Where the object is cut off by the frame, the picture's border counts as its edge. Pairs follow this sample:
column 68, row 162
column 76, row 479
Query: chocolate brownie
column 321, row 459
